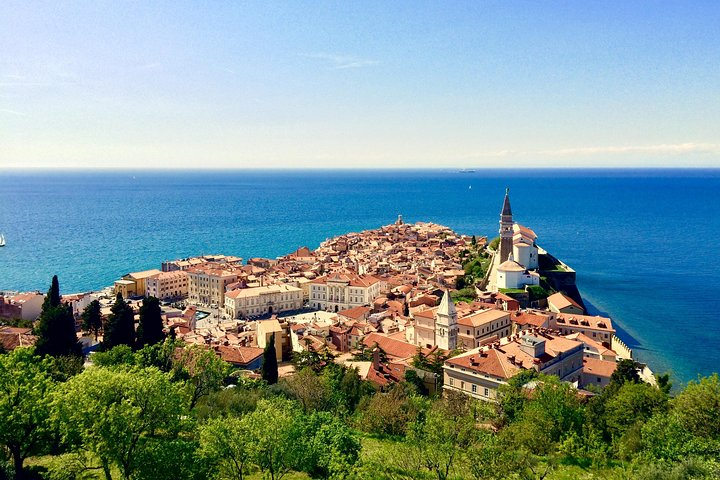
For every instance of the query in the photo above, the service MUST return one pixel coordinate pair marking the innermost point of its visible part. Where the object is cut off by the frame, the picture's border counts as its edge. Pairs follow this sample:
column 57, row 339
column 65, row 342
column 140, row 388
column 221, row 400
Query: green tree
column 92, row 318
column 626, row 371
column 327, row 447
column 698, row 407
column 414, row 379
column 315, row 360
column 120, row 355
column 390, row 413
column 512, row 397
column 494, row 243
column 273, row 437
column 56, row 326
column 664, row 383
column 150, row 330
column 26, row 388
column 665, row 437
column 160, row 458
column 120, row 325
column 633, row 403
column 270, row 365
column 226, row 442
column 53, row 296
column 346, row 387
column 202, row 370
column 559, row 403
column 309, row 389
column 443, row 434
column 159, row 355
column 489, row 458
column 115, row 413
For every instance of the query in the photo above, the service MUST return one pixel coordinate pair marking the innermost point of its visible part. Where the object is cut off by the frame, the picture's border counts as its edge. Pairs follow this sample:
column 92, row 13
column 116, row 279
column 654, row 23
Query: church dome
column 510, row 266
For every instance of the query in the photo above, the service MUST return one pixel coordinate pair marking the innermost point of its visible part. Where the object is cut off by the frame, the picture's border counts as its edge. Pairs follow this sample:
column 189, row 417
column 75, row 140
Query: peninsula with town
column 489, row 310
column 408, row 351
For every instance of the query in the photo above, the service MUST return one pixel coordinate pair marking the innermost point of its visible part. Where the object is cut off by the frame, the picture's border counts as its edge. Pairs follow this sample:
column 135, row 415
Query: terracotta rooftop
column 392, row 347
column 561, row 301
column 597, row 367
column 480, row 318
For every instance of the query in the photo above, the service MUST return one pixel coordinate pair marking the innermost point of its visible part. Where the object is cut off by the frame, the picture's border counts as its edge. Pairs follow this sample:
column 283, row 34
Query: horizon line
column 358, row 169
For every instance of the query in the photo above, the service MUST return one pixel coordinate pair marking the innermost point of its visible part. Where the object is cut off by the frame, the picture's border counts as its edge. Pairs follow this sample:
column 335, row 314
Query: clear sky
column 359, row 84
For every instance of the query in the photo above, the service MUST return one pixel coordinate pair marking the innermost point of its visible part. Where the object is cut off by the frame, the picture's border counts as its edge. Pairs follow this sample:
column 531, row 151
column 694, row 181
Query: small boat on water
column 2, row 240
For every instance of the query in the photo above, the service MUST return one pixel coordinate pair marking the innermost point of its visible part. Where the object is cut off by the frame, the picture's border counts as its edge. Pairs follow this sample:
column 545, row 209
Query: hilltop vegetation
column 173, row 411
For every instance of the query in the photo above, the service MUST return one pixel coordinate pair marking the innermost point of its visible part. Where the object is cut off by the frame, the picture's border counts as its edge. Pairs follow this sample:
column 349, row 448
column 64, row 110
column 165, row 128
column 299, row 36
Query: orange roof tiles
column 600, row 368
column 392, row 347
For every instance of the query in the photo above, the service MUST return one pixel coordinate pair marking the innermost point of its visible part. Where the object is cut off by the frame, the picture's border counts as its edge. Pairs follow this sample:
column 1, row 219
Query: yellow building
column 207, row 284
column 134, row 283
column 263, row 300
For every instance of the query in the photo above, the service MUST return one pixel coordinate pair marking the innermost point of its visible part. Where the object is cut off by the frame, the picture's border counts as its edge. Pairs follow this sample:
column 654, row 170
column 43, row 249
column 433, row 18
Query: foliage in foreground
column 165, row 412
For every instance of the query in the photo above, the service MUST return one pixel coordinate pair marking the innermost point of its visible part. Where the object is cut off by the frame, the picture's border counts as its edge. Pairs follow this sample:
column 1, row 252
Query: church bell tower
column 506, row 228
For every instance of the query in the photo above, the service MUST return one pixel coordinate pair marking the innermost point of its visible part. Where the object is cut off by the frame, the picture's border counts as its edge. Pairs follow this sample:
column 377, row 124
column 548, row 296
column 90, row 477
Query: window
column 474, row 388
column 462, row 385
column 487, row 392
column 451, row 381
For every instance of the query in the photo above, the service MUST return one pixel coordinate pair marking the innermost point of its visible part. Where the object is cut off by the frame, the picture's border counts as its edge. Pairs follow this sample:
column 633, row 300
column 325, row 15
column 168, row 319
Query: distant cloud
column 150, row 66
column 660, row 149
column 25, row 84
column 13, row 112
column 341, row 61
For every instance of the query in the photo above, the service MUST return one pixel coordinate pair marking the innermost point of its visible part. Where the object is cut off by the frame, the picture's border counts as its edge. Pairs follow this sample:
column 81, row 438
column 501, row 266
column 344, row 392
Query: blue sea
column 644, row 243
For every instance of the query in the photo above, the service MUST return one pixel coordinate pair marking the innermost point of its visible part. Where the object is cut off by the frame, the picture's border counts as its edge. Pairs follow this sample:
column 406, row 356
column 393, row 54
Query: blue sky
column 364, row 84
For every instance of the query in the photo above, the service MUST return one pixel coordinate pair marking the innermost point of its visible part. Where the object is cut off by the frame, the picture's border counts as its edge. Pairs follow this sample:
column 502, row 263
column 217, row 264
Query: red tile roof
column 392, row 347
column 599, row 368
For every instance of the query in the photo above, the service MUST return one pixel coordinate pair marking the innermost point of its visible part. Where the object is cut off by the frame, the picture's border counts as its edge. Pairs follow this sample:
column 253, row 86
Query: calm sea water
column 643, row 243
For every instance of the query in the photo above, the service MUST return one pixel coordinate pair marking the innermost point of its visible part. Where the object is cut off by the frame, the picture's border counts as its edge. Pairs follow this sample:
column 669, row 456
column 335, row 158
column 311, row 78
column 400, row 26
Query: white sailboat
column 2, row 240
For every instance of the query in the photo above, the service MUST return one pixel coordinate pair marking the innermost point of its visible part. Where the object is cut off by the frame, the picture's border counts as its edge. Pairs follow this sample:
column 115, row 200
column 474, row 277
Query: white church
column 516, row 262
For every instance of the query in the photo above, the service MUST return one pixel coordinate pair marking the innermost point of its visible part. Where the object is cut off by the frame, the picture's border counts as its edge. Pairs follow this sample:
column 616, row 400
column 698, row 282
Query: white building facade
column 263, row 300
column 341, row 291
column 167, row 285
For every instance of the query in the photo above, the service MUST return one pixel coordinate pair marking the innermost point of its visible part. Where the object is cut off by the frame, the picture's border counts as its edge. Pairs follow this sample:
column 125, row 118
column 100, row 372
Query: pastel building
column 21, row 305
column 134, row 284
column 559, row 303
column 512, row 275
column 263, row 300
column 477, row 328
column 207, row 285
column 479, row 372
column 517, row 254
column 597, row 328
column 437, row 327
column 173, row 284
column 341, row 291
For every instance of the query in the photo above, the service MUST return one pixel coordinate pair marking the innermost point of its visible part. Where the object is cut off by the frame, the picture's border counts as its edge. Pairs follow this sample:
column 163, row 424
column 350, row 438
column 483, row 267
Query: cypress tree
column 120, row 325
column 150, row 330
column 56, row 326
column 270, row 366
column 53, row 295
column 92, row 318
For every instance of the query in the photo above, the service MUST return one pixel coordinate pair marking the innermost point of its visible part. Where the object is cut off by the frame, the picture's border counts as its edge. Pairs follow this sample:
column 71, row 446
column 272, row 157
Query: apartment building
column 341, row 291
column 173, row 284
column 269, row 299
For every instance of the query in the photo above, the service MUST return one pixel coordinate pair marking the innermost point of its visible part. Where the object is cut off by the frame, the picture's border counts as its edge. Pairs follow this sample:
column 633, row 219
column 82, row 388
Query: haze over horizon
column 492, row 84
